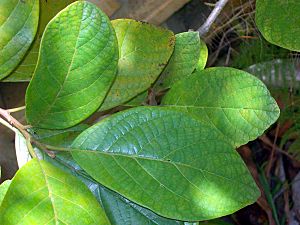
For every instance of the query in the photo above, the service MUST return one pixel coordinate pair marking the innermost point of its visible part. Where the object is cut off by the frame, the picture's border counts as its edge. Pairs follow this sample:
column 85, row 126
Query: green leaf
column 3, row 189
column 144, row 52
column 77, row 64
column 183, row 61
column 166, row 161
column 234, row 102
column 18, row 26
column 203, row 56
column 63, row 138
column 41, row 194
column 121, row 211
column 118, row 209
column 278, row 21
column 25, row 70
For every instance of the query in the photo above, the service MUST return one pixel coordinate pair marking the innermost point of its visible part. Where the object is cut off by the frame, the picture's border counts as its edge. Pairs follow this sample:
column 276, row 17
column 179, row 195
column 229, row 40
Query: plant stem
column 13, row 124
column 212, row 17
column 30, row 149
column 3, row 122
column 16, row 109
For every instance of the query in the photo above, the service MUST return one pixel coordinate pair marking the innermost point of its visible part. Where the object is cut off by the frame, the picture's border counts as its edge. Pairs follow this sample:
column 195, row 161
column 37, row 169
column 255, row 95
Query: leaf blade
column 183, row 60
column 18, row 26
column 236, row 103
column 24, row 71
column 139, row 148
column 3, row 189
column 44, row 193
column 275, row 23
column 77, row 64
column 144, row 52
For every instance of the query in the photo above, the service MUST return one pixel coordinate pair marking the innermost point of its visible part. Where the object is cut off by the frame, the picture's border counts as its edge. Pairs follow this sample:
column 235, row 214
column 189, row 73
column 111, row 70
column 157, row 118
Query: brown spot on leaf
column 172, row 41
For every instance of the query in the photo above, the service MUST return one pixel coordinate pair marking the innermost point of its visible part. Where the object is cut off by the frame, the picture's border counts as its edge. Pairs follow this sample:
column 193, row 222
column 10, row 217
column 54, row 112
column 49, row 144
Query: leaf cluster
column 144, row 165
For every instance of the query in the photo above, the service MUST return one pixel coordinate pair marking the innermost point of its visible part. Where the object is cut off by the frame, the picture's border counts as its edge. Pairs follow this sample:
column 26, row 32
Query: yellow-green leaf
column 235, row 103
column 203, row 56
column 279, row 22
column 43, row 194
column 3, row 189
column 24, row 71
column 144, row 52
column 183, row 61
column 76, row 67
column 18, row 26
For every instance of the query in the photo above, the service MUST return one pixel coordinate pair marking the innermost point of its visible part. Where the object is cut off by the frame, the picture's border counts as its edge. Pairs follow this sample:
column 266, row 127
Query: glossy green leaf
column 183, row 61
column 25, row 70
column 167, row 161
column 144, row 52
column 77, row 64
column 43, row 194
column 278, row 21
column 119, row 210
column 3, row 189
column 62, row 138
column 235, row 103
column 18, row 26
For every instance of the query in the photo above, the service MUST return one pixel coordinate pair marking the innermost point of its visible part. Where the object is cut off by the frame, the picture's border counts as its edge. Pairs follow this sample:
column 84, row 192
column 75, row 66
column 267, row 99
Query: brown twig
column 5, row 114
column 270, row 163
column 15, row 123
column 268, row 143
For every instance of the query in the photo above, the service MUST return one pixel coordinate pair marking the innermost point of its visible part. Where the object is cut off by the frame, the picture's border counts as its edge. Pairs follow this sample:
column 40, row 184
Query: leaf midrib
column 46, row 111
column 218, row 107
column 49, row 191
column 135, row 157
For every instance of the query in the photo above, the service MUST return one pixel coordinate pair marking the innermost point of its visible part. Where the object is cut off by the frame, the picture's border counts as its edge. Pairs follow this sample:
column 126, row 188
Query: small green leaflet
column 183, row 61
column 18, row 26
column 77, row 64
column 279, row 22
column 203, row 56
column 166, row 161
column 119, row 210
column 144, row 52
column 24, row 71
column 41, row 193
column 235, row 103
